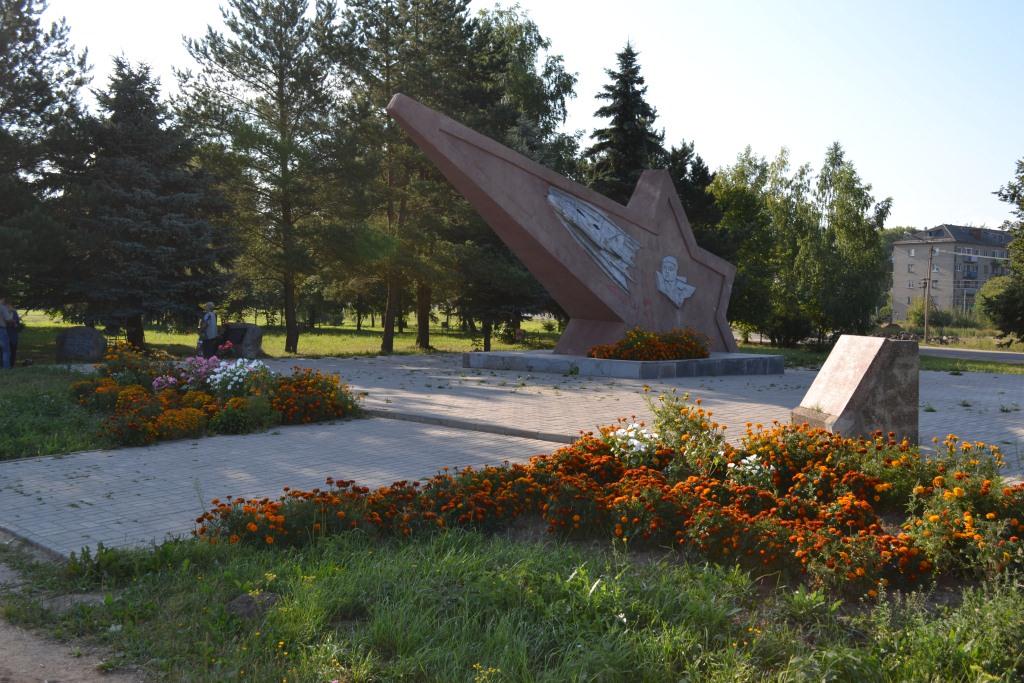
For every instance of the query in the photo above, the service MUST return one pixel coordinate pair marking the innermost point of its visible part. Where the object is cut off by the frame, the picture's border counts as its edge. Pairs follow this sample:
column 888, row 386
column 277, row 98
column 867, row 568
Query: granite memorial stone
column 866, row 384
column 81, row 344
column 246, row 338
column 610, row 267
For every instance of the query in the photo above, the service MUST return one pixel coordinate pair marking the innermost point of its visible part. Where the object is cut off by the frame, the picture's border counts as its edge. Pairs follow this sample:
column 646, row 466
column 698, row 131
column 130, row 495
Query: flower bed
column 149, row 396
column 852, row 515
column 638, row 344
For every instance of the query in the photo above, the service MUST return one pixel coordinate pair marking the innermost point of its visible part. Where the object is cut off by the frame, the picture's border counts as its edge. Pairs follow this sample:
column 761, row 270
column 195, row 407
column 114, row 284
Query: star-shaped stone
column 610, row 267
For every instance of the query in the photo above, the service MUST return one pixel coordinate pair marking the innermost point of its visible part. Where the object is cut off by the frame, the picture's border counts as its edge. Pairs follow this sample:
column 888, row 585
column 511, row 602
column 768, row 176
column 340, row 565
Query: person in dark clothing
column 208, row 339
column 13, row 329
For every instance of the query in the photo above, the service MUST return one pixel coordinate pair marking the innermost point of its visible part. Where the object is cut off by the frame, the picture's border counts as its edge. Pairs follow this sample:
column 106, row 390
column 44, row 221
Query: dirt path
column 27, row 657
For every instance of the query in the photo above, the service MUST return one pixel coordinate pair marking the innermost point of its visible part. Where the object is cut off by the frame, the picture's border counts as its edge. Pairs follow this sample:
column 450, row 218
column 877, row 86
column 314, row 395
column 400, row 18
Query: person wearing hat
column 208, row 331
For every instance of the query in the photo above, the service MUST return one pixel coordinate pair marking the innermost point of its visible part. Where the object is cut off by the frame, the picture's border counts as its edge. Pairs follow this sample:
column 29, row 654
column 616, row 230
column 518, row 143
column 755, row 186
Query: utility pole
column 928, row 291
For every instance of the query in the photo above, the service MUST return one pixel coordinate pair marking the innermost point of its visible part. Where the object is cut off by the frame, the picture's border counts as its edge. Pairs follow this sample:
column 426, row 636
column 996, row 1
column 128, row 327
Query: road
column 974, row 354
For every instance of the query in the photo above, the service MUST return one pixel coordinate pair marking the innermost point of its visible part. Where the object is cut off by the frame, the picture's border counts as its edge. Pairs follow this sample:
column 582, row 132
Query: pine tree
column 139, row 216
column 486, row 71
column 630, row 143
column 262, row 97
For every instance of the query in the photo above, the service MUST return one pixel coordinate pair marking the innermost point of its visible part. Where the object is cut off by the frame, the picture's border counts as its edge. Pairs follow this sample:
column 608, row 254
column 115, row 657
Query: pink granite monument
column 611, row 267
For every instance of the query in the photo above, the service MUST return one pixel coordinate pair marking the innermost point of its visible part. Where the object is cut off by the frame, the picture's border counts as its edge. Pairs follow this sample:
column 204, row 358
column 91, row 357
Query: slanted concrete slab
column 564, row 364
column 866, row 384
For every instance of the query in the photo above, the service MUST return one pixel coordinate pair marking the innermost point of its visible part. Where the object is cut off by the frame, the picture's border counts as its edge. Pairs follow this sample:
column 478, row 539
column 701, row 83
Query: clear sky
column 925, row 95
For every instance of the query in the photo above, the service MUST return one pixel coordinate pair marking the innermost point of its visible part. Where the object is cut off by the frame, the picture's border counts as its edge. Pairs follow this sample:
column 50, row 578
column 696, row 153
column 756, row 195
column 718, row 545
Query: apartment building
column 961, row 260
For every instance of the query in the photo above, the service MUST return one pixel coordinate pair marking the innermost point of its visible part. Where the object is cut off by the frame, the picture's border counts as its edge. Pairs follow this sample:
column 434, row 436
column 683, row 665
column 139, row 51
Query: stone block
column 866, row 384
column 80, row 345
column 247, row 338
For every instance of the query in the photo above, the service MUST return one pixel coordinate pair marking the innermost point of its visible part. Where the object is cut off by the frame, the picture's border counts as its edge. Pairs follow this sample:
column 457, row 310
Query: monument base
column 547, row 361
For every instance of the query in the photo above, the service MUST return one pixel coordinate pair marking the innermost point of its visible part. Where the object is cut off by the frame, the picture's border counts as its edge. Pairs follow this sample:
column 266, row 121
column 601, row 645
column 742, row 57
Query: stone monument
column 246, row 338
column 866, row 384
column 81, row 344
column 610, row 267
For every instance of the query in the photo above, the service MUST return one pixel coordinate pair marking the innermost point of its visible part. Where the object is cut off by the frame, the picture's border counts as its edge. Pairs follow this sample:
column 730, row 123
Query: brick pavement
column 133, row 496
column 979, row 406
column 140, row 495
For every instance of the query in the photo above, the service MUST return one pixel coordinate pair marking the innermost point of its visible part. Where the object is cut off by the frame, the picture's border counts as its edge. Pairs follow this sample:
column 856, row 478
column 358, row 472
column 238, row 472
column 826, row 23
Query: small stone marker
column 247, row 338
column 84, row 344
column 866, row 384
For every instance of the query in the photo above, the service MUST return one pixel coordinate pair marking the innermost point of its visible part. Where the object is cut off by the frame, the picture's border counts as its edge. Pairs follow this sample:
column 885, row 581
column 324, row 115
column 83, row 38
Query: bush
column 180, row 423
column 802, row 502
column 127, row 365
column 242, row 415
column 310, row 396
column 180, row 401
column 638, row 344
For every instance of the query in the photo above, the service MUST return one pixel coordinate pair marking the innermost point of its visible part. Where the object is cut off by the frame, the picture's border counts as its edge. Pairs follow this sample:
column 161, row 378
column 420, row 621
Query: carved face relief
column 671, row 284
column 608, row 244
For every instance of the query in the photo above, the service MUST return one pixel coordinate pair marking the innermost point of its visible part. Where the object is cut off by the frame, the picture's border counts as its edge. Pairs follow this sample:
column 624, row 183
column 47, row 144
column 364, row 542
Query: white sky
column 924, row 95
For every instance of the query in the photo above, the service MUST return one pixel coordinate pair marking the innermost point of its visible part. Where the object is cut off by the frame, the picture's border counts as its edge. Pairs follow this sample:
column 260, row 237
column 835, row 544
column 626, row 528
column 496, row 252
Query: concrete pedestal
column 556, row 363
column 866, row 384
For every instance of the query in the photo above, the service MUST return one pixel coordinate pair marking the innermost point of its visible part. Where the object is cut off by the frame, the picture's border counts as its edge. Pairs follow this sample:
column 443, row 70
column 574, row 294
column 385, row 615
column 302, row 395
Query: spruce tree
column 40, row 78
column 140, row 215
column 692, row 179
column 630, row 143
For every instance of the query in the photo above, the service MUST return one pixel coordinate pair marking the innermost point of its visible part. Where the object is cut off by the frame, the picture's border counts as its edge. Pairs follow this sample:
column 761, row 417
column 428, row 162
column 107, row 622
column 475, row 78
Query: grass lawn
column 38, row 341
column 461, row 606
column 39, row 417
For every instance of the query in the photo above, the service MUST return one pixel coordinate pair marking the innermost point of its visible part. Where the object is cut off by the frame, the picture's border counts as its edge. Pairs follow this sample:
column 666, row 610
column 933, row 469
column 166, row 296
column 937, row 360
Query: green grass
column 39, row 417
column 38, row 341
column 461, row 606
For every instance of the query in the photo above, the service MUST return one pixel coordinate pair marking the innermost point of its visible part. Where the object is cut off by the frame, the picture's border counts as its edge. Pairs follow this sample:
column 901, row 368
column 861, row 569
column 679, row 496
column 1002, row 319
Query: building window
column 935, row 269
column 908, row 300
column 959, row 267
column 910, row 267
column 912, row 252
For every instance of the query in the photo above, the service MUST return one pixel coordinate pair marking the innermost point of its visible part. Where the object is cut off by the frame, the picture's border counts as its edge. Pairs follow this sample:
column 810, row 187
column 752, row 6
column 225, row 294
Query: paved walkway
column 465, row 417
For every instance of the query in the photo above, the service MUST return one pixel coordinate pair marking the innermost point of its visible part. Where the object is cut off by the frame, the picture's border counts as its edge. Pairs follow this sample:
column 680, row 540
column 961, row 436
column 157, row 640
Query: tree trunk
column 291, row 336
column 400, row 312
column 134, row 331
column 359, row 321
column 487, row 335
column 387, row 342
column 423, row 293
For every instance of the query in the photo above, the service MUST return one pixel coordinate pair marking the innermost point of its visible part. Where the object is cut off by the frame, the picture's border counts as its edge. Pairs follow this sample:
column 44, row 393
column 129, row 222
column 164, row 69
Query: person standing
column 6, row 317
column 208, row 331
column 13, row 330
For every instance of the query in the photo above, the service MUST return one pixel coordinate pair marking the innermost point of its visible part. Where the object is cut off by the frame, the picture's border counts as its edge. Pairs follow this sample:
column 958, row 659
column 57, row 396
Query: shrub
column 802, row 502
column 310, row 396
column 127, row 365
column 638, row 344
column 239, row 378
column 242, row 415
column 180, row 423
